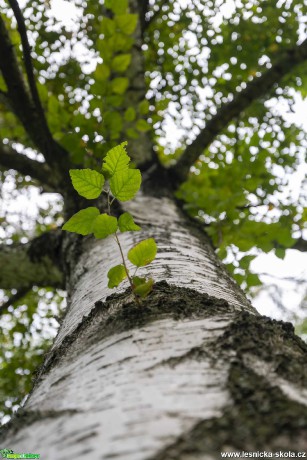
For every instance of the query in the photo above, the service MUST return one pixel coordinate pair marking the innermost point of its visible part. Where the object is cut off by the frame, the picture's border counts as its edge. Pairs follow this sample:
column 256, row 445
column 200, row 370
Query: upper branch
column 227, row 112
column 34, row 263
column 11, row 159
column 22, row 103
column 27, row 57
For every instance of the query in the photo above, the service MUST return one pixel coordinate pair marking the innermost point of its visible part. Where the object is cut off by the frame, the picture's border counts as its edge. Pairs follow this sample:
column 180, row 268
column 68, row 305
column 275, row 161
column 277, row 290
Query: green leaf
column 119, row 85
column 144, row 107
column 104, row 226
column 107, row 27
column 116, row 275
column 130, row 114
column 127, row 23
column 143, row 253
column 142, row 125
column 280, row 253
column 126, row 223
column 116, row 160
column 137, row 281
column 253, row 280
column 121, row 63
column 102, row 72
column 117, row 6
column 87, row 182
column 245, row 261
column 82, row 222
column 144, row 288
column 125, row 184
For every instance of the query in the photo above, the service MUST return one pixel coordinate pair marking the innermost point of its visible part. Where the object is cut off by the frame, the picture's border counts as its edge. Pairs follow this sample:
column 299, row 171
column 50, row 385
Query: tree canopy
column 201, row 90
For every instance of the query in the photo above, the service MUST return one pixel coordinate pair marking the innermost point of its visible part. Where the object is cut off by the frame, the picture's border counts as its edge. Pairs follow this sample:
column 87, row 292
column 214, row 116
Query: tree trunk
column 192, row 372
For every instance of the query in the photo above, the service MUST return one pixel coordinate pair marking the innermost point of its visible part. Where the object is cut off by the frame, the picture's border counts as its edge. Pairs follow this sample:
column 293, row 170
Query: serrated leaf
column 104, row 226
column 143, row 289
column 121, row 62
column 127, row 224
column 82, row 222
column 116, row 275
column 125, row 184
column 87, row 182
column 116, row 160
column 143, row 253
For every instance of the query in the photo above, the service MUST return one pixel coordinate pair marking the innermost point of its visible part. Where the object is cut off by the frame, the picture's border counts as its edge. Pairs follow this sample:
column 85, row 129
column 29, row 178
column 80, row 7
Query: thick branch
column 34, row 263
column 24, row 106
column 227, row 112
column 11, row 159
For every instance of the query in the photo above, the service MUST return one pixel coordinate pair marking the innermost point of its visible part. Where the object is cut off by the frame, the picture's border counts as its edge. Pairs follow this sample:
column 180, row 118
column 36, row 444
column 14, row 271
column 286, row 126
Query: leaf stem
column 122, row 254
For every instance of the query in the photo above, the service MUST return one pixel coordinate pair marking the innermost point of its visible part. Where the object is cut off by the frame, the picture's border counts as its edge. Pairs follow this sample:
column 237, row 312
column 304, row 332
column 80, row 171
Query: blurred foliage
column 27, row 330
column 197, row 54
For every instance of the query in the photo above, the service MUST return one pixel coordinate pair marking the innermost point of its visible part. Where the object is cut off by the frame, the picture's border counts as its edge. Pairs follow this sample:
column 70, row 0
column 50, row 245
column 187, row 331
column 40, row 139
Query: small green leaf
column 87, row 182
column 143, row 253
column 121, row 62
column 104, row 226
column 119, row 85
column 116, row 275
column 116, row 160
column 117, row 6
column 142, row 125
column 144, row 107
column 102, row 72
column 126, row 223
column 143, row 289
column 127, row 23
column 280, row 253
column 125, row 184
column 130, row 114
column 137, row 281
column 82, row 222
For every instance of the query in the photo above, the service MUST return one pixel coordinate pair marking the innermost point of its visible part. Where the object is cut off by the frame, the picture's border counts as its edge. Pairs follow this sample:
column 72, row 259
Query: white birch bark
column 125, row 391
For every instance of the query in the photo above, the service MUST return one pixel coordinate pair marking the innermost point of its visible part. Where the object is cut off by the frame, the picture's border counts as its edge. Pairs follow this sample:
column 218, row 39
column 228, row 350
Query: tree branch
column 27, row 58
column 14, row 298
column 227, row 112
column 11, row 159
column 34, row 263
column 23, row 105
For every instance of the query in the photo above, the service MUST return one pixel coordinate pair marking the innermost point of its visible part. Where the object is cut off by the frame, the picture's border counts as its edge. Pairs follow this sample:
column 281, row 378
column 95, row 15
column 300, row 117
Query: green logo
column 9, row 453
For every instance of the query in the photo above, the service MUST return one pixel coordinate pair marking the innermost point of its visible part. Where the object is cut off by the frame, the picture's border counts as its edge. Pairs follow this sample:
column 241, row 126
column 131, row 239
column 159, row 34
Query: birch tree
column 192, row 370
